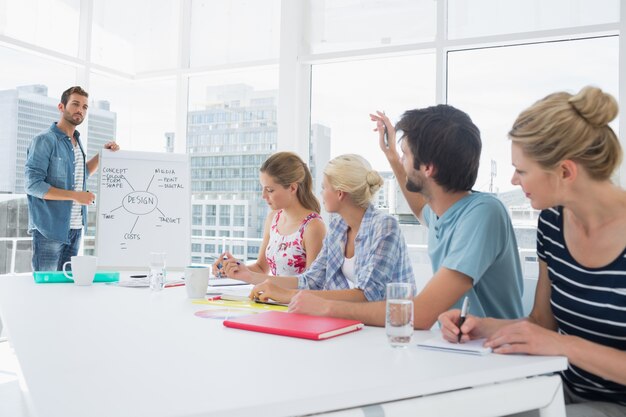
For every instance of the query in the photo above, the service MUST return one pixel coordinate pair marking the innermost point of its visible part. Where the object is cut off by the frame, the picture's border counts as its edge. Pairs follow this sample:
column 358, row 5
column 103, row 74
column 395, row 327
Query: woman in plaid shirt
column 362, row 251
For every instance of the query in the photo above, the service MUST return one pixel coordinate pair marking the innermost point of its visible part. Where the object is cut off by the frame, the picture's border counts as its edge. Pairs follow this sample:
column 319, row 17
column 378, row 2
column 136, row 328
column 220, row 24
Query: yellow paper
column 241, row 304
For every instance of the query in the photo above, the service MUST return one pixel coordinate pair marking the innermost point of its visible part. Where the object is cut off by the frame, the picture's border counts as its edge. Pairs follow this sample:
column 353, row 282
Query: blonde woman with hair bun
column 363, row 249
column 353, row 174
column 564, row 153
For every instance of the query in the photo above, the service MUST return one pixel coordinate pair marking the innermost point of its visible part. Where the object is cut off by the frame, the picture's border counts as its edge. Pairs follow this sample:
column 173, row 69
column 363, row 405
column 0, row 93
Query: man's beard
column 70, row 119
column 414, row 187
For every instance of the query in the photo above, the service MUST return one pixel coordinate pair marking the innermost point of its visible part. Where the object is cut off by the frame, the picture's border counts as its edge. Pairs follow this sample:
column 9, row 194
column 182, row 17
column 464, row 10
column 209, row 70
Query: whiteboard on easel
column 144, row 205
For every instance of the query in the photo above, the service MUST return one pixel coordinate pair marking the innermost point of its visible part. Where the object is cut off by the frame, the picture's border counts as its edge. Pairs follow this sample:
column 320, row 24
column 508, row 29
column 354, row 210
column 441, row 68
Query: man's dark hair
column 446, row 138
column 72, row 90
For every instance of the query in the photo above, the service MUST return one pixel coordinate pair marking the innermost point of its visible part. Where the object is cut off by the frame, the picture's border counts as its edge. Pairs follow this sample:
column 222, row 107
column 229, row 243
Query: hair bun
column 595, row 106
column 374, row 179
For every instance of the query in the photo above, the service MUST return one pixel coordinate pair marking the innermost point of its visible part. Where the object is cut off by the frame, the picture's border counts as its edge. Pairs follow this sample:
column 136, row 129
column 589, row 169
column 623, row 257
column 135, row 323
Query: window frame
column 295, row 62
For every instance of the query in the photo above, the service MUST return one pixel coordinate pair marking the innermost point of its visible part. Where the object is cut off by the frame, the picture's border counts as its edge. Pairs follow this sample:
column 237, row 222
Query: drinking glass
column 156, row 276
column 399, row 314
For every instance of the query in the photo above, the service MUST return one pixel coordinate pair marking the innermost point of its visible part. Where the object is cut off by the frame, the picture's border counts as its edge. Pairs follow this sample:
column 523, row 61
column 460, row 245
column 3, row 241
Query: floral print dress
column 285, row 254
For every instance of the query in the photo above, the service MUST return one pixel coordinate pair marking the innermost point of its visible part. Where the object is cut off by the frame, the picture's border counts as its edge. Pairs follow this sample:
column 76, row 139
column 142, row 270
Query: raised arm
column 415, row 200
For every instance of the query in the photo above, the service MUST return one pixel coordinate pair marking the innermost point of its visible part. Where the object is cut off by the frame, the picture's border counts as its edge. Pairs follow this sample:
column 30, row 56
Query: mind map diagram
column 142, row 207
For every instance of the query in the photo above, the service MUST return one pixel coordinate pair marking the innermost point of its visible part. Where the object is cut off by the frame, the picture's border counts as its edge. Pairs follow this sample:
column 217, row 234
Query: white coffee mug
column 196, row 281
column 83, row 269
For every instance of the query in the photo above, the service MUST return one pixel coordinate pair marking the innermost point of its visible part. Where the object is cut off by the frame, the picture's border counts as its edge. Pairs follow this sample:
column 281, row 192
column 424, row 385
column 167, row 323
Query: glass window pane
column 231, row 31
column 494, row 85
column 135, row 36
column 231, row 130
column 342, row 25
column 28, row 98
column 344, row 94
column 342, row 97
column 470, row 18
column 145, row 116
column 39, row 22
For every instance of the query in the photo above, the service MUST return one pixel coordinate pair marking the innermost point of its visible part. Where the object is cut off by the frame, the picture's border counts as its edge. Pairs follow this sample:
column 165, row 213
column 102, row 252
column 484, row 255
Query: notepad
column 295, row 325
column 225, row 282
column 473, row 347
column 49, row 277
column 236, row 297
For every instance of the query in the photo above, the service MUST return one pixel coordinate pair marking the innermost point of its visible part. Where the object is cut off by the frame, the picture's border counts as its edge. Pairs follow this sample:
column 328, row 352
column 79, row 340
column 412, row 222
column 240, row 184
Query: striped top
column 76, row 221
column 586, row 302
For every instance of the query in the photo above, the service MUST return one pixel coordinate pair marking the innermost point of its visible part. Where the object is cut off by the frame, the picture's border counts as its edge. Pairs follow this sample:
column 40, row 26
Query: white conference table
column 110, row 351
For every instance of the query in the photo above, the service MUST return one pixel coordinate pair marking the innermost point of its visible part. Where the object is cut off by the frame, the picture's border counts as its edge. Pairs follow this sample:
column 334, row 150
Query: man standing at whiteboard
column 56, row 174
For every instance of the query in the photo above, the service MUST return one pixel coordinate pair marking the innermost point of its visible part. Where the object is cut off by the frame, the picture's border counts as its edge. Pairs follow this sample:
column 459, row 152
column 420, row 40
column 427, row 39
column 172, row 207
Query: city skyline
column 227, row 142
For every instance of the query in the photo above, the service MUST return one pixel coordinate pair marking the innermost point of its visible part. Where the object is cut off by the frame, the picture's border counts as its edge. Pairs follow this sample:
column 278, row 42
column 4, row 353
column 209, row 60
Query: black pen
column 464, row 311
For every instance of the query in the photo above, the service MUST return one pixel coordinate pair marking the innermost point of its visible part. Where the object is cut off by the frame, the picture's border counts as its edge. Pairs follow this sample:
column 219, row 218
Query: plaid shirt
column 381, row 257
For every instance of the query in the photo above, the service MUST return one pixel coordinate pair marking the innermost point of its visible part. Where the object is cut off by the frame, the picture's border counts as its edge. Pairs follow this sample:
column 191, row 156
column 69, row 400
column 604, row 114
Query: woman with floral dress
column 294, row 230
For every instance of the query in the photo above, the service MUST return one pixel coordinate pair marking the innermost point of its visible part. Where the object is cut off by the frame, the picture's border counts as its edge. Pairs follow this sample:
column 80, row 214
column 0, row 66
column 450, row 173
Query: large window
column 490, row 58
column 470, row 18
column 494, row 85
column 145, row 110
column 344, row 94
column 231, row 129
column 38, row 22
column 209, row 78
column 28, row 99
column 135, row 36
column 342, row 25
column 233, row 31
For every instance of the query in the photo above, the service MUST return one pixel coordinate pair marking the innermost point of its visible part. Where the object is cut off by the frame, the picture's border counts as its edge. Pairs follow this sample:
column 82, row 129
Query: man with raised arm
column 471, row 242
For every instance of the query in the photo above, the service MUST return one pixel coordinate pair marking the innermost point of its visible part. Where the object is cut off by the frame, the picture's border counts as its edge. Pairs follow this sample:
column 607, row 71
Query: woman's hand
column 267, row 290
column 217, row 265
column 232, row 268
column 526, row 337
column 304, row 302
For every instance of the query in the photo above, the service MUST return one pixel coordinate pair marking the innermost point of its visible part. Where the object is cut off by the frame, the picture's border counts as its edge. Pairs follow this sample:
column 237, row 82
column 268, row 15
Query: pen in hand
column 464, row 311
column 219, row 266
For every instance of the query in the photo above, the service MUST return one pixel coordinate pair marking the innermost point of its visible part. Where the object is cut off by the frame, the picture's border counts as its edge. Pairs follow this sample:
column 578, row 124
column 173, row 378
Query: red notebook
column 295, row 325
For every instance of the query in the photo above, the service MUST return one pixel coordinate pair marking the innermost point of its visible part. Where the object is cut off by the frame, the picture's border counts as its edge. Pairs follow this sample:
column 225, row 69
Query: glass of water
column 399, row 315
column 156, row 276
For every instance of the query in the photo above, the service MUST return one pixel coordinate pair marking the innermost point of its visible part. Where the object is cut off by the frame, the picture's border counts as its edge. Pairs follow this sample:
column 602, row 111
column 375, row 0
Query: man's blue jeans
column 50, row 255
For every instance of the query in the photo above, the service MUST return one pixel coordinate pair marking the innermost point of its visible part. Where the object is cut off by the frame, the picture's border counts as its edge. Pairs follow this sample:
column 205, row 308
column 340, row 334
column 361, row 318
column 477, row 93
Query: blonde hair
column 287, row 168
column 352, row 174
column 564, row 126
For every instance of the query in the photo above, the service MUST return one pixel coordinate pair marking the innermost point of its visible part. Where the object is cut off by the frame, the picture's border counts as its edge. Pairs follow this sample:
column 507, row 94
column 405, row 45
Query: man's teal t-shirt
column 475, row 237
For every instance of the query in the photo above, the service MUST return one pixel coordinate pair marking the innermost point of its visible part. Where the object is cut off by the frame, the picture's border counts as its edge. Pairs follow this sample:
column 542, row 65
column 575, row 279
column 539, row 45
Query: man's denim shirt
column 50, row 163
